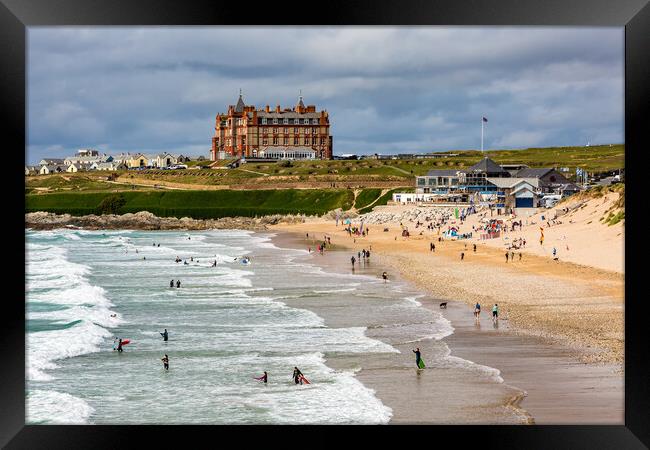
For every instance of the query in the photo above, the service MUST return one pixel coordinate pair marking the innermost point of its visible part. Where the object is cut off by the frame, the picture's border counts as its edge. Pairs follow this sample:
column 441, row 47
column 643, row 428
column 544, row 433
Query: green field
column 199, row 204
column 384, row 199
column 366, row 197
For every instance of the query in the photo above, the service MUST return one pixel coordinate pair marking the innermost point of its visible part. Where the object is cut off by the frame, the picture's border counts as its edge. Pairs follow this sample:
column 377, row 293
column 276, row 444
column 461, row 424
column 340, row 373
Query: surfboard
column 305, row 380
column 421, row 364
column 125, row 341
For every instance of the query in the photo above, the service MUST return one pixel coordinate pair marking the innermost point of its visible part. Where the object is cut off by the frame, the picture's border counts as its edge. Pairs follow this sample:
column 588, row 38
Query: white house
column 49, row 169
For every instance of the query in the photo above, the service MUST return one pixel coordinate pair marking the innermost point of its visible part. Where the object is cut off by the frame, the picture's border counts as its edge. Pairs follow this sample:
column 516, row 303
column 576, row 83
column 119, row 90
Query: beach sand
column 559, row 345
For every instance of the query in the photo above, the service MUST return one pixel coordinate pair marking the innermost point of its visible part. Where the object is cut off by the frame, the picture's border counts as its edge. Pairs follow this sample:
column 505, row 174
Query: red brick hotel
column 244, row 131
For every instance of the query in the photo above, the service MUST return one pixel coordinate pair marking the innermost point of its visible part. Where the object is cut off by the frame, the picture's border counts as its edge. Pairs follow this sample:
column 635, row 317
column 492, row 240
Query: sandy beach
column 559, row 340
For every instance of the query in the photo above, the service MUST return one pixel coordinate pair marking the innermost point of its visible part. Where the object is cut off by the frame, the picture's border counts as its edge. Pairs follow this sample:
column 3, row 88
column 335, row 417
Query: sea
column 227, row 324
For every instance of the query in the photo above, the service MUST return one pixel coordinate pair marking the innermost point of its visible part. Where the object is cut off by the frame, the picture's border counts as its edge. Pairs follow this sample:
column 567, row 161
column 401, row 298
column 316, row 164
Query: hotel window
column 285, row 121
column 286, row 130
column 264, row 121
column 314, row 121
column 275, row 121
column 314, row 130
column 275, row 141
column 307, row 142
column 286, row 141
column 275, row 130
column 265, row 130
column 295, row 141
column 295, row 130
column 265, row 141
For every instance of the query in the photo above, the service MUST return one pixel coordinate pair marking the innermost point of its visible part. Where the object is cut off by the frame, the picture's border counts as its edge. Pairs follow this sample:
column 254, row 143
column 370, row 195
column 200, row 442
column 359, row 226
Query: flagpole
column 482, row 121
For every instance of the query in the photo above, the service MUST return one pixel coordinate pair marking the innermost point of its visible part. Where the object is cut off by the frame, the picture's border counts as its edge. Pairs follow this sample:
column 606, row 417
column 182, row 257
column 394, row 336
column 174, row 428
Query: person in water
column 119, row 346
column 297, row 375
column 477, row 310
column 214, row 264
column 171, row 284
column 263, row 378
column 418, row 356
column 384, row 276
column 165, row 361
column 165, row 335
column 178, row 283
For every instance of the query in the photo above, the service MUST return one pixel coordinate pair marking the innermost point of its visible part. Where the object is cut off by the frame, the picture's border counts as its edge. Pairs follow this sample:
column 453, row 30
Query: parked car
column 178, row 166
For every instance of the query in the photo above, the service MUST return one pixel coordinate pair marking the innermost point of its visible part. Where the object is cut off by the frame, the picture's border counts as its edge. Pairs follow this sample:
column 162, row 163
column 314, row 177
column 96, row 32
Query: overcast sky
column 387, row 90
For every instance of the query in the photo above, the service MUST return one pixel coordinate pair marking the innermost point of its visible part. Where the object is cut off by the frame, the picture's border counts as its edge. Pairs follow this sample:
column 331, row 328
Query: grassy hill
column 198, row 204
column 365, row 174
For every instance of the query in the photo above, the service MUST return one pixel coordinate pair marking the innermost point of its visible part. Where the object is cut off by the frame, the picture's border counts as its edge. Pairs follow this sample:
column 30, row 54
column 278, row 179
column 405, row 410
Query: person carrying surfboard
column 119, row 346
column 297, row 374
column 418, row 358
column 165, row 335
column 263, row 378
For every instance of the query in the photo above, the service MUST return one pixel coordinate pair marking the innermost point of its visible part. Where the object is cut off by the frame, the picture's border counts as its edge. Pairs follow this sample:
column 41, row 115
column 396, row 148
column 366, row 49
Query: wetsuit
column 165, row 336
column 119, row 346
column 417, row 357
column 171, row 283
column 178, row 283
column 165, row 363
column 296, row 376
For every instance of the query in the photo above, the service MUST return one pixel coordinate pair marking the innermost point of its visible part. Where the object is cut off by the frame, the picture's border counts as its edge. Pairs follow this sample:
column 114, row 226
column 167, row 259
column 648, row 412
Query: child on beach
column 495, row 313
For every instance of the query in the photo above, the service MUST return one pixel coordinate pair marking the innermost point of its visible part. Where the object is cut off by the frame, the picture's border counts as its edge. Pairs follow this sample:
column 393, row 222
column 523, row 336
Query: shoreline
column 549, row 384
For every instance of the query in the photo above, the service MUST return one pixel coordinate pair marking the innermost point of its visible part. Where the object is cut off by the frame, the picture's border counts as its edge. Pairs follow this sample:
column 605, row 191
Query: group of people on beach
column 297, row 377
column 495, row 312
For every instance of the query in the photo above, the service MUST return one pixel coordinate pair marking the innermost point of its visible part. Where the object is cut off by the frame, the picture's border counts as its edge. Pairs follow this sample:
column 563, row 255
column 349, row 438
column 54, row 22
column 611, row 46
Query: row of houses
column 89, row 159
column 506, row 186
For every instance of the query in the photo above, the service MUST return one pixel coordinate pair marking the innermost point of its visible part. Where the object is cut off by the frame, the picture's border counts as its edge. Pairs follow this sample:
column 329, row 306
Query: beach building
column 51, row 162
column 550, row 180
column 516, row 192
column 137, row 160
column 246, row 131
column 78, row 167
column 48, row 169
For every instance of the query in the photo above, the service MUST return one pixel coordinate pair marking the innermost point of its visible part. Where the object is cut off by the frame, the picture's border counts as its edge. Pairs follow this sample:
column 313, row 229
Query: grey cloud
column 386, row 89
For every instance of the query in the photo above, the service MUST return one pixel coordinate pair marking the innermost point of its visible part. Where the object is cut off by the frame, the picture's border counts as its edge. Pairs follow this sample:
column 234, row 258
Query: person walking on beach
column 171, row 284
column 178, row 283
column 165, row 361
column 474, row 248
column 165, row 335
column 462, row 255
column 506, row 256
column 418, row 358
column 554, row 252
column 384, row 276
column 297, row 375
column 495, row 313
column 431, row 246
column 519, row 256
column 477, row 310
column 353, row 260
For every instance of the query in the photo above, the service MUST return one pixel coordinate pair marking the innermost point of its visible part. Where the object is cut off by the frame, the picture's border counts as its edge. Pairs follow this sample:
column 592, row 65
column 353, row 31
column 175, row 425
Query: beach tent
column 347, row 221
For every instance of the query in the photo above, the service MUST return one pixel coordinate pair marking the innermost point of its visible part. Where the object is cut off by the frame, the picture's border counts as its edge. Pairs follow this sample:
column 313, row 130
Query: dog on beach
column 443, row 305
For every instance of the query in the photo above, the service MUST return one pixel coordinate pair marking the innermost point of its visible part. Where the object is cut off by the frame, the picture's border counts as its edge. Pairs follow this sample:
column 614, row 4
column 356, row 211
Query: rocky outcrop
column 144, row 220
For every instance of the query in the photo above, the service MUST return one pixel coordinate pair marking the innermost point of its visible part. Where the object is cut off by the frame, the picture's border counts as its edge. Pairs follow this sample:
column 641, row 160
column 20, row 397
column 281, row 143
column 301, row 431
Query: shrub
column 111, row 204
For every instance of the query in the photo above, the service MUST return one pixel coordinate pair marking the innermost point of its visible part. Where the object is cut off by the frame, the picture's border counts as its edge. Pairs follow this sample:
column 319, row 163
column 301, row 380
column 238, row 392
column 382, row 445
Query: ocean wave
column 52, row 407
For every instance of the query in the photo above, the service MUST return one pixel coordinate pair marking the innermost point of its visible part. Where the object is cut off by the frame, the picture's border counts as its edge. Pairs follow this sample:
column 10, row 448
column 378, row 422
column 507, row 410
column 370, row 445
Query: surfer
column 214, row 264
column 119, row 346
column 171, row 284
column 297, row 375
column 165, row 361
column 165, row 335
column 384, row 276
column 178, row 283
column 418, row 358
column 263, row 378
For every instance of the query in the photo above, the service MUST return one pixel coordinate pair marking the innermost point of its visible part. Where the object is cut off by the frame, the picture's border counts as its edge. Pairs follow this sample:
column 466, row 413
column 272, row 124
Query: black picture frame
column 16, row 15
